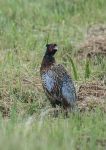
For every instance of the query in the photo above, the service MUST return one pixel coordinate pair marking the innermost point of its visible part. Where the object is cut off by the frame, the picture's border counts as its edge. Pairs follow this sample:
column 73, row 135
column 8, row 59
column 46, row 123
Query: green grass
column 80, row 131
column 25, row 28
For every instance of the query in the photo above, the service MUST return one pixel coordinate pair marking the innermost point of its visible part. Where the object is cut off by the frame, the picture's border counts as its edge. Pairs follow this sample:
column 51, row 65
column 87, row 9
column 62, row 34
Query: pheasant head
column 51, row 49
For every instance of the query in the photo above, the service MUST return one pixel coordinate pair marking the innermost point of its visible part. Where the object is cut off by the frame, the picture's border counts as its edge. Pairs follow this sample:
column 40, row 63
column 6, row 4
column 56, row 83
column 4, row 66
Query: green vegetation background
column 25, row 27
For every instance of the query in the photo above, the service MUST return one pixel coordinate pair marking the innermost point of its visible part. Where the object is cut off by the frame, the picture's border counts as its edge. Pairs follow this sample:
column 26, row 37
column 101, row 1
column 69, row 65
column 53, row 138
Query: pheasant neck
column 47, row 62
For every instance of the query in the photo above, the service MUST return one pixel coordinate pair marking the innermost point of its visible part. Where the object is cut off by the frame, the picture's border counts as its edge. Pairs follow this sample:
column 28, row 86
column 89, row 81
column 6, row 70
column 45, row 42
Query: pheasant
column 56, row 82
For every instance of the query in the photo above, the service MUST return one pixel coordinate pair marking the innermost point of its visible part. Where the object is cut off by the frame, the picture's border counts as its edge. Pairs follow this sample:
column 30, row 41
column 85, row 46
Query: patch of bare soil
column 95, row 30
column 94, row 44
column 91, row 95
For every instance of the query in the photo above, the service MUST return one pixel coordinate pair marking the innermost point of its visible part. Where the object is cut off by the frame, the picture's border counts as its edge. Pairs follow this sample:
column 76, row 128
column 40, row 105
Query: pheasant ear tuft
column 47, row 45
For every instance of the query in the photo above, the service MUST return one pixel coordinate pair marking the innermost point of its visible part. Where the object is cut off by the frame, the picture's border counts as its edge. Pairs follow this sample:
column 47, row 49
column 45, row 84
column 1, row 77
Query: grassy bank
column 25, row 27
column 80, row 131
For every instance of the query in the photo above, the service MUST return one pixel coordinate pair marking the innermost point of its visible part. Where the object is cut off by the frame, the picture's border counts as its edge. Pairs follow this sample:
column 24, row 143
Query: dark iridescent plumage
column 56, row 82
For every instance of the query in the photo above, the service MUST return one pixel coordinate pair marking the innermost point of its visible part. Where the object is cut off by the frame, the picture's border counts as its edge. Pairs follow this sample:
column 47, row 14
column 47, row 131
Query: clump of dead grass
column 94, row 44
column 92, row 95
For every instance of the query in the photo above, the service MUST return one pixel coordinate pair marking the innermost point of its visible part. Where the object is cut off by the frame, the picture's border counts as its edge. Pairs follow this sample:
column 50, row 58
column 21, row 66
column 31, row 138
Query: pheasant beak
column 56, row 48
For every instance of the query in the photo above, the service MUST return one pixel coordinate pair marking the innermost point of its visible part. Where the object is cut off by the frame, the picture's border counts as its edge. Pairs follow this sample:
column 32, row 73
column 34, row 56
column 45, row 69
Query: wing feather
column 59, row 84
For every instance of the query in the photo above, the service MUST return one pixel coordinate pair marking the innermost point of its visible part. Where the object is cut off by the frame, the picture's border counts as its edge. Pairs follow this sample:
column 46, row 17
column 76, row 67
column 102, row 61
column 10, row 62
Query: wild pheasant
column 57, row 83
